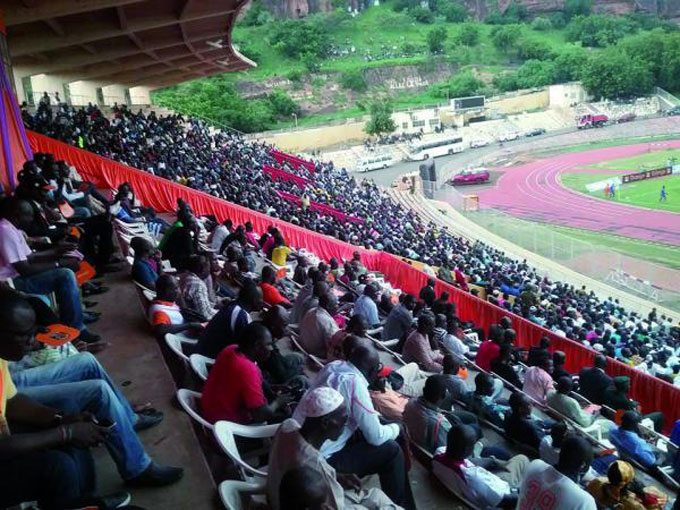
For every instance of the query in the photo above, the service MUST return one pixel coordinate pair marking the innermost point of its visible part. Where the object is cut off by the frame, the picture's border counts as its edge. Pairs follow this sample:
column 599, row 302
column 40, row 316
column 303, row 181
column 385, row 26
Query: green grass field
column 643, row 193
column 641, row 162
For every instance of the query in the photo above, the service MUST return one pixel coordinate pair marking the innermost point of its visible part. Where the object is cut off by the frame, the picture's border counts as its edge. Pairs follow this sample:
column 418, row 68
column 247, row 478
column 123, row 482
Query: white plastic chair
column 232, row 492
column 176, row 343
column 225, row 434
column 190, row 402
column 201, row 364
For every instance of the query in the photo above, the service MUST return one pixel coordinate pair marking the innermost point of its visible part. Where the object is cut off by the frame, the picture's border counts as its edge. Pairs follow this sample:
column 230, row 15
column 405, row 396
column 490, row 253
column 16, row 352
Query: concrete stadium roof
column 151, row 43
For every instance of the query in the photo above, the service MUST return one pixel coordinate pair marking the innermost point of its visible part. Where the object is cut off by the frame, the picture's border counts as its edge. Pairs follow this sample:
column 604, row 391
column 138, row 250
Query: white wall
column 566, row 94
column 140, row 95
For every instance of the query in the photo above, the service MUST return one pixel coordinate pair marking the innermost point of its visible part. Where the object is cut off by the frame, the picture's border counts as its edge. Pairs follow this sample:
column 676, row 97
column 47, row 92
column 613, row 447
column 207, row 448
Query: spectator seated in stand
column 226, row 326
column 456, row 387
column 616, row 397
column 324, row 414
column 490, row 349
column 520, row 426
column 485, row 482
column 594, row 382
column 561, row 401
column 366, row 306
column 425, row 421
column 630, row 445
column 56, row 412
column 40, row 272
column 618, row 489
column 234, row 389
column 165, row 315
column 376, row 449
column 147, row 264
column 356, row 326
column 400, row 319
column 318, row 326
column 538, row 352
column 502, row 366
column 537, row 380
column 560, row 483
column 418, row 348
column 195, row 294
column 270, row 293
column 559, row 359
column 484, row 403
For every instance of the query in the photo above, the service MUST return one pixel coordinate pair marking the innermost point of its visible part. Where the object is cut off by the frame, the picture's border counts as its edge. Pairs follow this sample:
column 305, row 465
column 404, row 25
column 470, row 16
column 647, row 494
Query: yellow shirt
column 7, row 391
column 280, row 254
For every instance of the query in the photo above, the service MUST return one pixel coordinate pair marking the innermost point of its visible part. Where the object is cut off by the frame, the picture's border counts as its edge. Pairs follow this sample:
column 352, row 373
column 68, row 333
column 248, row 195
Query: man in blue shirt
column 628, row 442
column 366, row 306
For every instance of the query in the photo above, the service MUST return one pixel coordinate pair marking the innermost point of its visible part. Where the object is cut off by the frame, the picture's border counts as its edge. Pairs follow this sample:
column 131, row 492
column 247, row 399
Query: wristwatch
column 57, row 419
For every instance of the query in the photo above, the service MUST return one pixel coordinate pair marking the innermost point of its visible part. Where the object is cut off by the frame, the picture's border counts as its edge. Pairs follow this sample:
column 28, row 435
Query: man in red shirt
column 233, row 391
column 270, row 294
column 490, row 349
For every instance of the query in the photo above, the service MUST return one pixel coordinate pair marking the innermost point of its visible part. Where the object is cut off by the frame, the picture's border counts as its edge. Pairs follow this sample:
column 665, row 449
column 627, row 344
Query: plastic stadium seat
column 190, row 402
column 232, row 492
column 176, row 343
column 226, row 432
column 201, row 365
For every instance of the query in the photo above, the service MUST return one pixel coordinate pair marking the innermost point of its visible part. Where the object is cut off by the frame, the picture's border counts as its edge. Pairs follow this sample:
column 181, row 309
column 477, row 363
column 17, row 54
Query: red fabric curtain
column 322, row 208
column 161, row 194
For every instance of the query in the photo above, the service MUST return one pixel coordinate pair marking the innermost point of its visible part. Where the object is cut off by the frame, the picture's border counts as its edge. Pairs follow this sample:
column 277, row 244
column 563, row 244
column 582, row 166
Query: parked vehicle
column 435, row 148
column 480, row 142
column 591, row 120
column 507, row 137
column 673, row 111
column 535, row 132
column 626, row 117
column 375, row 162
column 470, row 176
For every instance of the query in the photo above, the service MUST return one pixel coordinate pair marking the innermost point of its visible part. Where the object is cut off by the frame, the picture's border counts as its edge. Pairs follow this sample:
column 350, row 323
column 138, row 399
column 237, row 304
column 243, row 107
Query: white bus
column 435, row 148
column 375, row 162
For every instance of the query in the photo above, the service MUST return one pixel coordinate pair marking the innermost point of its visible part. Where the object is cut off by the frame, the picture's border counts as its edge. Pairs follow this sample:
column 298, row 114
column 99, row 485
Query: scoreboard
column 468, row 103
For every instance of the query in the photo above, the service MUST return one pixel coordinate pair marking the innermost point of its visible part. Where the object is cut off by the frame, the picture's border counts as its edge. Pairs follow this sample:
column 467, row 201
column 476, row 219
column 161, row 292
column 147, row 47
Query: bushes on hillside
column 468, row 35
column 436, row 38
column 354, row 80
column 614, row 74
column 450, row 10
column 298, row 37
column 533, row 49
column 599, row 31
column 505, row 37
column 459, row 85
column 541, row 24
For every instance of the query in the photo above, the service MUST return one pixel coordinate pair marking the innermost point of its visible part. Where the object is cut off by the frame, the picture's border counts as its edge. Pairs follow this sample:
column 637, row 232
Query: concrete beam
column 68, row 63
column 27, row 44
column 32, row 11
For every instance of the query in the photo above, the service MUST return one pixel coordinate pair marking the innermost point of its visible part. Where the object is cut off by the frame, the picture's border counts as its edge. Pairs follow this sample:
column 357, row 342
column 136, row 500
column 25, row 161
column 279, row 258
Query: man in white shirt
column 318, row 326
column 547, row 488
column 484, row 482
column 376, row 449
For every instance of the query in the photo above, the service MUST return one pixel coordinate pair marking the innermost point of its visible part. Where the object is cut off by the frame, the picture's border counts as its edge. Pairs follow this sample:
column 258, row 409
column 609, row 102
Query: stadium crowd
column 354, row 416
column 226, row 165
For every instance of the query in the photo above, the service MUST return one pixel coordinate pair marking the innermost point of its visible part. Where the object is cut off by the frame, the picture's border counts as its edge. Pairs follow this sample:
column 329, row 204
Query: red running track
column 534, row 191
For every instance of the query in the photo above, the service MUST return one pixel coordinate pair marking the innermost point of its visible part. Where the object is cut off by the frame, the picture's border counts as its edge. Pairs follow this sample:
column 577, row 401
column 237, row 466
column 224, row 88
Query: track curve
column 534, row 191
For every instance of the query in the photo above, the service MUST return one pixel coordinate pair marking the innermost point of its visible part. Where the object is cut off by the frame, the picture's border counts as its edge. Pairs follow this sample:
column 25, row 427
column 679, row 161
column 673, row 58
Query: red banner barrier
column 322, row 208
column 282, row 157
column 161, row 194
column 281, row 175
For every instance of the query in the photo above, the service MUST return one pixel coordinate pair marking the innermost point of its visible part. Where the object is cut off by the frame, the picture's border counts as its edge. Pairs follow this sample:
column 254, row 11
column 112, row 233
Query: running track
column 534, row 191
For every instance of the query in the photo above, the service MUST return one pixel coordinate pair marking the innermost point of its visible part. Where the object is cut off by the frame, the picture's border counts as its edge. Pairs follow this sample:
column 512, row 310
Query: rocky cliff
column 663, row 8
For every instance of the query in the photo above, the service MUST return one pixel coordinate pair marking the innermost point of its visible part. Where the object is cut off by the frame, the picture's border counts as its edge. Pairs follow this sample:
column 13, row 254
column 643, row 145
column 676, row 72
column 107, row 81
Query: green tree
column 613, row 74
column 459, row 85
column 298, row 37
column 381, row 117
column 468, row 35
column 505, row 82
column 504, row 38
column 421, row 14
column 648, row 46
column 257, row 15
column 281, row 103
column 535, row 73
column 569, row 62
column 436, row 38
column 451, row 10
column 533, row 49
column 598, row 30
column 354, row 80
column 670, row 68
column 574, row 8
column 541, row 24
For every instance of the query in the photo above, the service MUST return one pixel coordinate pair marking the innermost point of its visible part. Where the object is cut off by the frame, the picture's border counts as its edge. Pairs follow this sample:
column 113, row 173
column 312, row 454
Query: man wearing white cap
column 364, row 445
column 323, row 414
